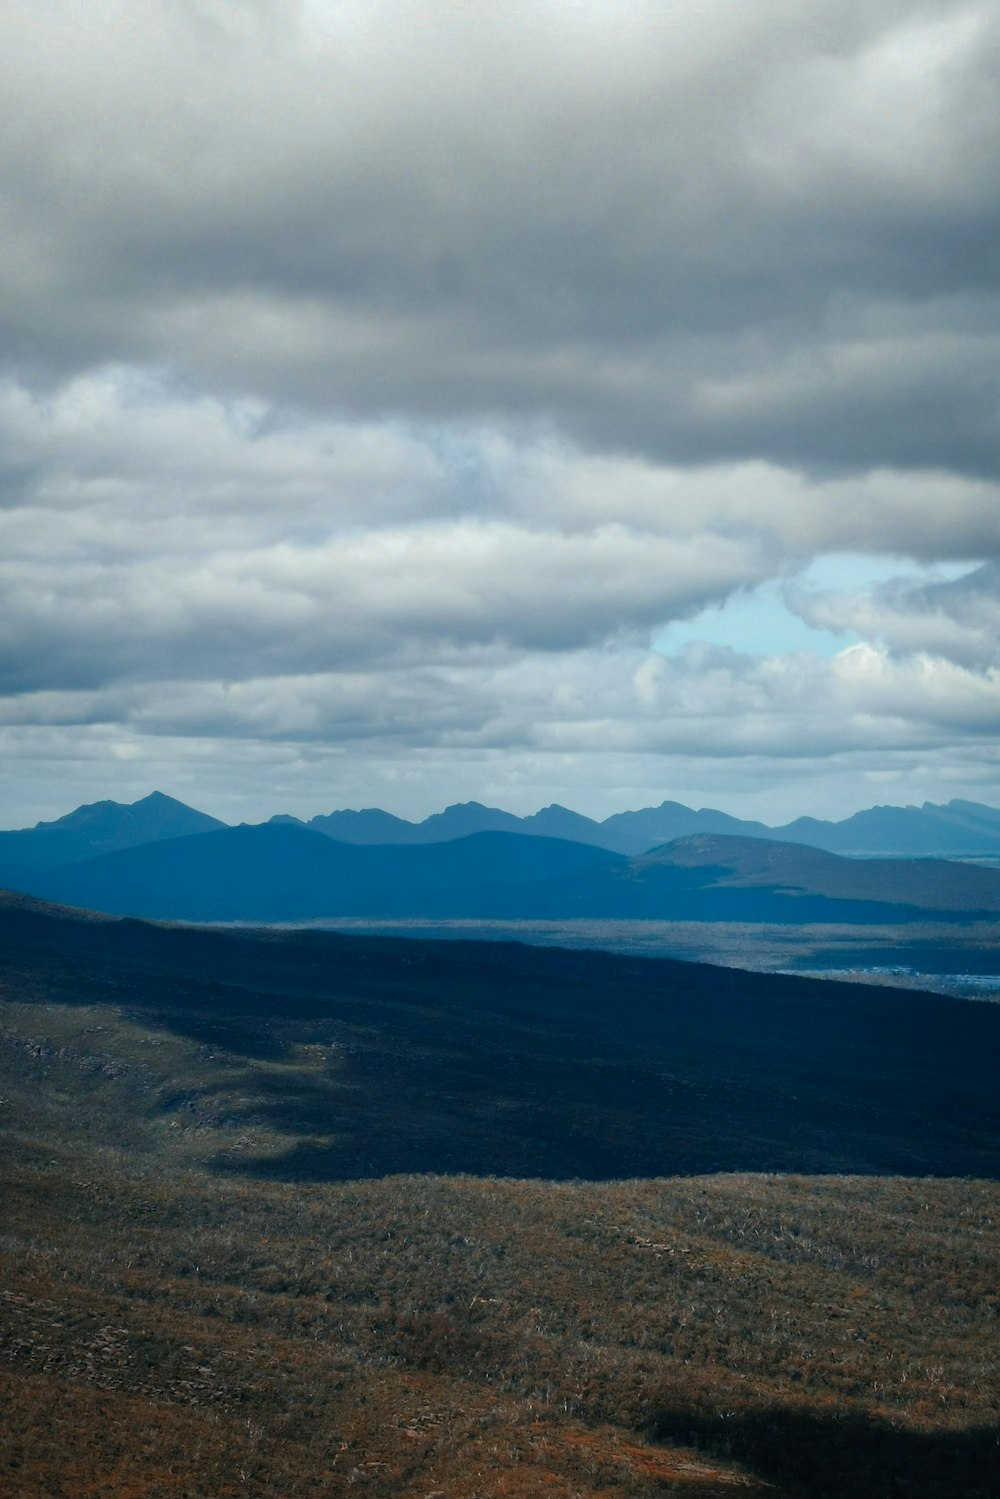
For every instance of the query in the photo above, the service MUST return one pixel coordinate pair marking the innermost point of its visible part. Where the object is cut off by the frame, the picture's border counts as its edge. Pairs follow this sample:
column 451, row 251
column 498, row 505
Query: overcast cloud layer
column 379, row 382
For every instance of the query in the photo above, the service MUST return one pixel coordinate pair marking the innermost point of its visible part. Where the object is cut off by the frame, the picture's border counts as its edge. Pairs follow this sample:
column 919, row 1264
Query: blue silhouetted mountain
column 625, row 833
column 98, row 828
column 957, row 829
column 635, row 832
column 372, row 825
column 560, row 822
column 280, row 872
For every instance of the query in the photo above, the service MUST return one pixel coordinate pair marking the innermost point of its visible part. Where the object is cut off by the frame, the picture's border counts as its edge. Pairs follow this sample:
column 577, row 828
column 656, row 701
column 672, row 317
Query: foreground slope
column 176, row 1322
column 165, row 1336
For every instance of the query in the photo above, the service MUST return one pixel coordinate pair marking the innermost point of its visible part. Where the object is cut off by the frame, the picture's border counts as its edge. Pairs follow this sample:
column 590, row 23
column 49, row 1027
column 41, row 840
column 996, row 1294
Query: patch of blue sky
column 759, row 622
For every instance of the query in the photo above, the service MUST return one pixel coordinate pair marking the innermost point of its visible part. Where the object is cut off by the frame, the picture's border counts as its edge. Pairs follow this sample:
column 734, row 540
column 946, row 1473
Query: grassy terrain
column 177, row 1321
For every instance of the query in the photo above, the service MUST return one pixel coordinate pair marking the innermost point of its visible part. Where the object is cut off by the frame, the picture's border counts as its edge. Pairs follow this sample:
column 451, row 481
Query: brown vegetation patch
column 607, row 1449
column 479, row 1337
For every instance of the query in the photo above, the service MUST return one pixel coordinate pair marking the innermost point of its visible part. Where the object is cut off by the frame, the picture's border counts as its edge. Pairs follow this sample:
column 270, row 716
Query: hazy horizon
column 306, row 815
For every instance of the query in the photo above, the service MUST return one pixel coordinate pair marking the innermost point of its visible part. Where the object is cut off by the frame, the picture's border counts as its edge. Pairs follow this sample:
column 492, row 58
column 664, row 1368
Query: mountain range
column 159, row 858
column 277, row 872
column 954, row 829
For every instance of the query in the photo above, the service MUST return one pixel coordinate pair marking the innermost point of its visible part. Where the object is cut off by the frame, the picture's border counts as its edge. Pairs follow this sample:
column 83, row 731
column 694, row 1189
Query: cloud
column 180, row 565
column 377, row 383
column 388, row 595
column 707, row 702
column 692, row 233
column 590, row 728
column 123, row 452
column 957, row 621
column 593, row 728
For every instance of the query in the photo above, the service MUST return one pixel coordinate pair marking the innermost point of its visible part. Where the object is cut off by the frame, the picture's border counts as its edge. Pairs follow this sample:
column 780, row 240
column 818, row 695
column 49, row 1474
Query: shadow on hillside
column 246, row 1038
column 844, row 1455
column 377, row 1056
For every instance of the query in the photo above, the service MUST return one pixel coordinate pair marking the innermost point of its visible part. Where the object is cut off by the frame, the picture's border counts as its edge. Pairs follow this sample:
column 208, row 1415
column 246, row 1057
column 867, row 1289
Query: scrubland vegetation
column 179, row 1322
column 167, row 1335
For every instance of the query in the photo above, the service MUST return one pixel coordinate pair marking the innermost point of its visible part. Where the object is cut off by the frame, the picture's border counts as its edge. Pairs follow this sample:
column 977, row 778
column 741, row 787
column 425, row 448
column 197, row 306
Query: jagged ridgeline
column 159, row 859
column 299, row 1214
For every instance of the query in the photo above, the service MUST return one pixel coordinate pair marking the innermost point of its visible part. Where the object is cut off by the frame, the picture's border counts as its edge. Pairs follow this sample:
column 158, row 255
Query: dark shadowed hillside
column 385, row 1055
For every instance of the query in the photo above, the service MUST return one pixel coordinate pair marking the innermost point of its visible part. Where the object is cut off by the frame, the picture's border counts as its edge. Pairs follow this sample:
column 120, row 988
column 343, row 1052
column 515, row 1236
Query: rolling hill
column 802, row 872
column 282, row 871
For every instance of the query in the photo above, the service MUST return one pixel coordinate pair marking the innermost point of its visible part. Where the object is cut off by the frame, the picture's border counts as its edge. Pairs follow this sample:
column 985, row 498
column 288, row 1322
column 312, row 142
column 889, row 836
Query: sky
column 592, row 401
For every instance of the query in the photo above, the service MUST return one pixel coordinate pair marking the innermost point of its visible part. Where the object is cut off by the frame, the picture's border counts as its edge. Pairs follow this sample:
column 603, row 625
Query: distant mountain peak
column 157, row 804
column 103, row 827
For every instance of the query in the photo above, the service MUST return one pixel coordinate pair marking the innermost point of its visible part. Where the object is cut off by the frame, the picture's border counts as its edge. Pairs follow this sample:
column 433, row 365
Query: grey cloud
column 708, row 702
column 592, row 728
column 647, row 228
column 124, row 460
column 119, row 463
column 958, row 621
column 929, row 516
column 387, row 595
column 376, row 388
